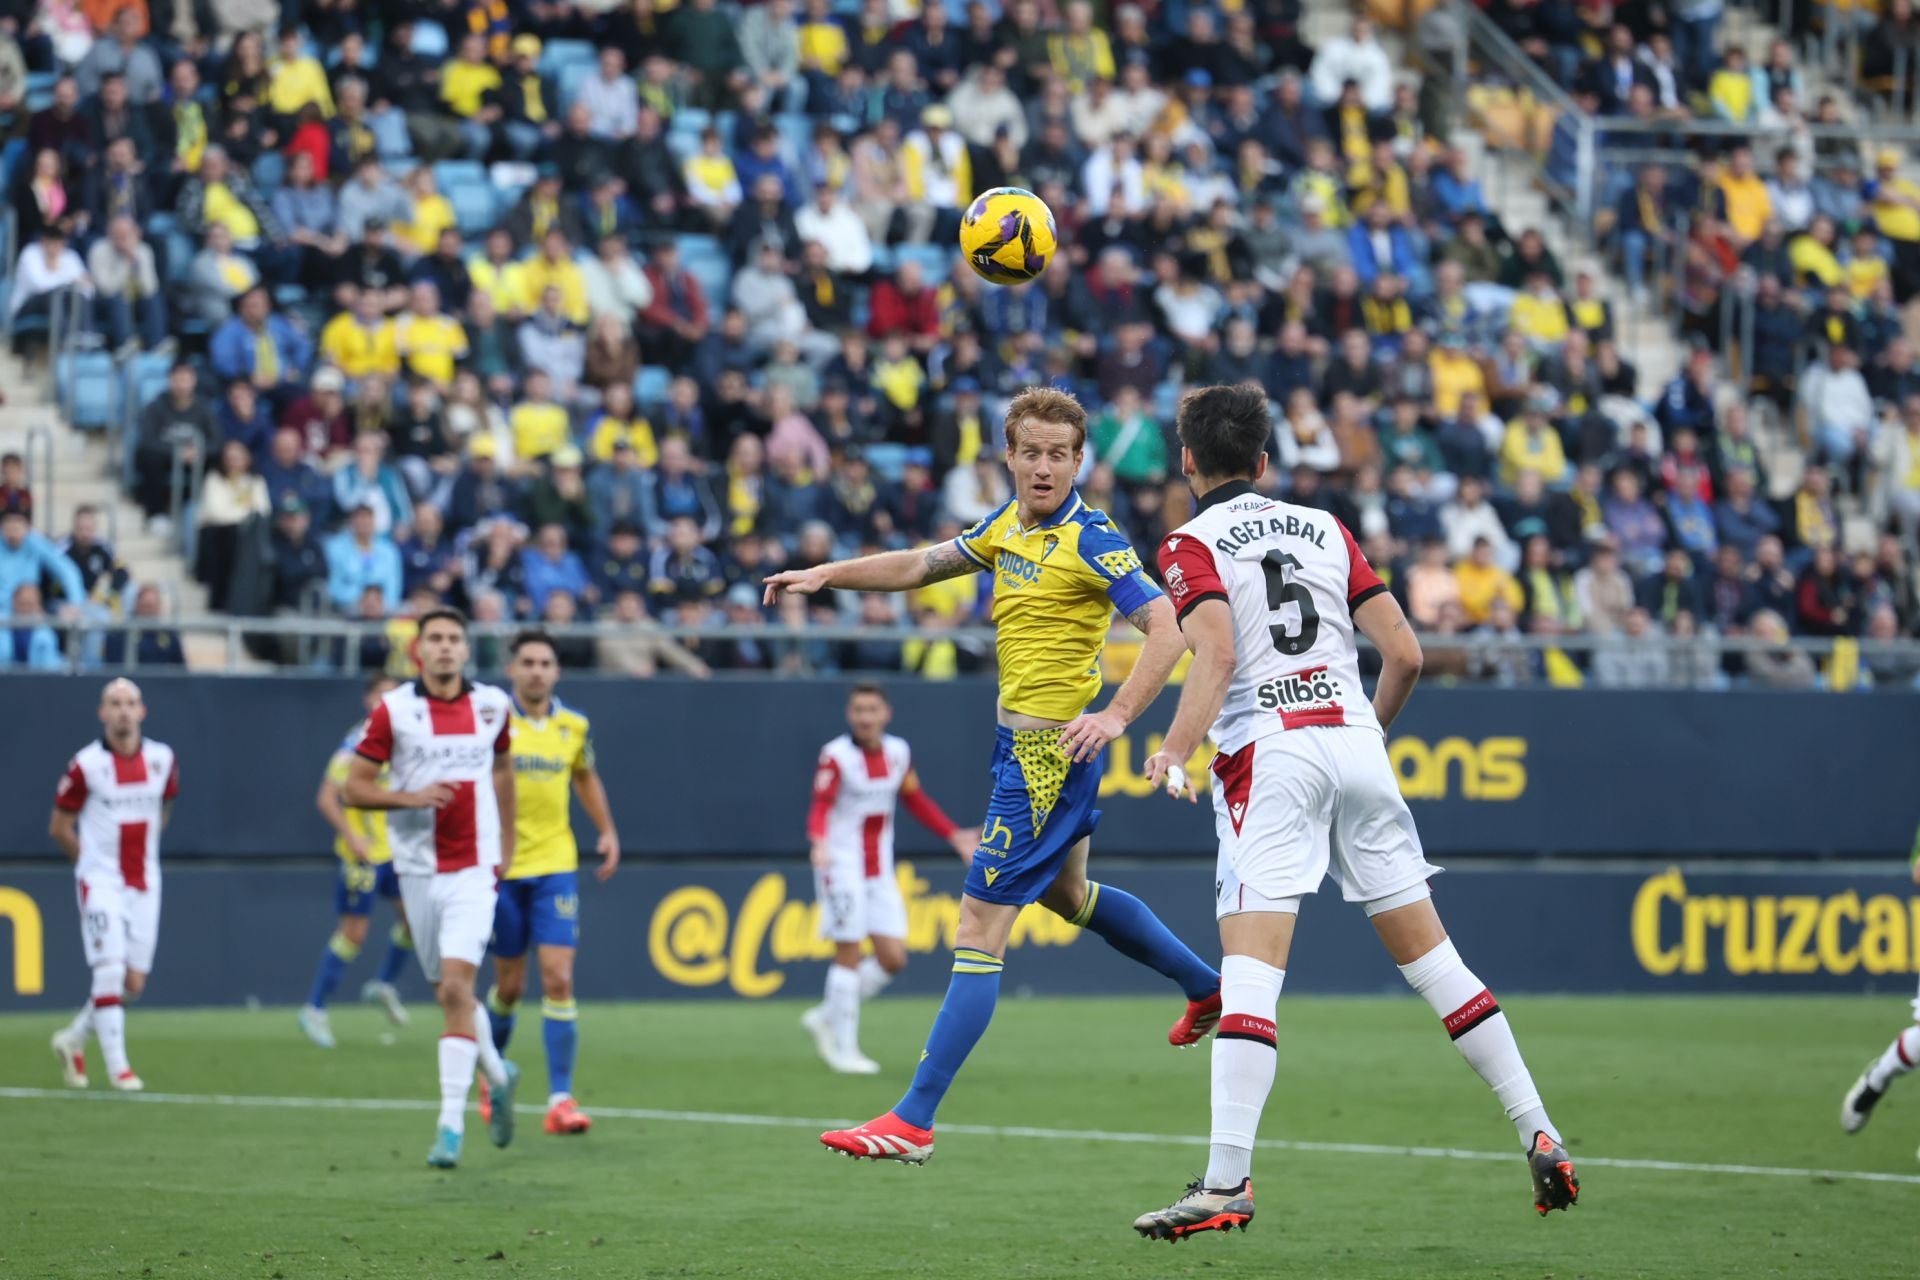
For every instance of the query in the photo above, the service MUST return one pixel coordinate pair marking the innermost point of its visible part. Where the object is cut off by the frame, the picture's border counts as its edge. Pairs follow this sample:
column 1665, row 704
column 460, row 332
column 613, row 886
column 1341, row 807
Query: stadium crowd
column 575, row 311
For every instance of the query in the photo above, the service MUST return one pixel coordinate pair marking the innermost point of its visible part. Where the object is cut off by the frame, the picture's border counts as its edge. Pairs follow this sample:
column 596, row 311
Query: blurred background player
column 1899, row 1057
column 861, row 775
column 540, row 893
column 1269, row 595
column 366, row 870
column 1060, row 570
column 444, row 743
column 111, row 805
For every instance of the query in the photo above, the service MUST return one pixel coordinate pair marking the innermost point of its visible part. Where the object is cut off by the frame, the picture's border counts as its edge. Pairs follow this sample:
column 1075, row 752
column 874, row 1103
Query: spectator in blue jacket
column 27, row 640
column 262, row 348
column 27, row 556
column 618, row 491
column 289, row 474
column 1380, row 244
column 622, row 567
column 548, row 566
column 1688, row 399
column 242, row 418
column 358, row 557
column 675, row 491
column 367, row 479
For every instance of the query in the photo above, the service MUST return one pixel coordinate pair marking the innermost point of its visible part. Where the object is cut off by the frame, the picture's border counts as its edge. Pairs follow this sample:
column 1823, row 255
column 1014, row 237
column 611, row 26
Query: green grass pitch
column 113, row 1187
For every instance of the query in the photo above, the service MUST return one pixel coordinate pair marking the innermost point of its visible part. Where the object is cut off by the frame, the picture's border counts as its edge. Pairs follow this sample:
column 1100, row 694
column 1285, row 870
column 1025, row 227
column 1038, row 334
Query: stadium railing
column 309, row 645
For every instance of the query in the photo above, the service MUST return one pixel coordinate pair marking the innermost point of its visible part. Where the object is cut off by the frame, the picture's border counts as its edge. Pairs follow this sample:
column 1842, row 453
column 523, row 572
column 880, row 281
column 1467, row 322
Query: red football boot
column 888, row 1138
column 565, row 1116
column 1200, row 1018
column 486, row 1097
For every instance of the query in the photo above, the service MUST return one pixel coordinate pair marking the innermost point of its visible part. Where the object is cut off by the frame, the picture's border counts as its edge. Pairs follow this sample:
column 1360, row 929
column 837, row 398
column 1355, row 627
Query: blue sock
column 399, row 950
column 561, row 1029
column 1130, row 927
column 333, row 966
column 500, row 1015
column 962, row 1020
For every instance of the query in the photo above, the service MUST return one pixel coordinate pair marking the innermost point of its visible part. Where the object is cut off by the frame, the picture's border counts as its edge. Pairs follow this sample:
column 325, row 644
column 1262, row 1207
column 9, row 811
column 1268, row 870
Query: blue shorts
column 1042, row 806
column 541, row 911
column 354, row 891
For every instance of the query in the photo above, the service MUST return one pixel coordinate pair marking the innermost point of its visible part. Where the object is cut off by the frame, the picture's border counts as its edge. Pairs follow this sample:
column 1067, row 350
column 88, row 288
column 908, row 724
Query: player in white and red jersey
column 1269, row 596
column 108, row 812
column 860, row 777
column 450, row 799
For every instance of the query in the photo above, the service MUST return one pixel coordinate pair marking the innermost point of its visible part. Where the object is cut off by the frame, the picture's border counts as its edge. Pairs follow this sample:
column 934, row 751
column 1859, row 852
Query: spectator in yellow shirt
column 1081, row 53
column 360, row 342
column 540, row 426
column 295, row 80
column 823, row 44
column 1812, row 254
column 1867, row 266
column 495, row 273
column 1743, row 201
column 1455, row 373
column 1531, row 444
column 1895, row 201
column 1539, row 315
column 553, row 268
column 431, row 342
column 470, row 87
column 1481, row 582
column 432, row 214
column 618, row 420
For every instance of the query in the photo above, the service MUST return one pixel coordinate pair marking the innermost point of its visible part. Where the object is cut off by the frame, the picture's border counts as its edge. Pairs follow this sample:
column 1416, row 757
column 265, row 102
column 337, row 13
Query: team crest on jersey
column 1051, row 545
column 487, row 714
column 1176, row 583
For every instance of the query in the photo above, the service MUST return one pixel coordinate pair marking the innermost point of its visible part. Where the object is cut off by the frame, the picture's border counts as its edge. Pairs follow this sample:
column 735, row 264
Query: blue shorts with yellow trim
column 359, row 884
column 541, row 911
column 1042, row 806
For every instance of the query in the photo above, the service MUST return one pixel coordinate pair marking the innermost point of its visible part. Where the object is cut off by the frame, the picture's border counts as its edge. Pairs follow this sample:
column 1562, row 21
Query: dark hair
column 533, row 635
column 377, row 679
column 867, row 688
column 445, row 613
column 1227, row 429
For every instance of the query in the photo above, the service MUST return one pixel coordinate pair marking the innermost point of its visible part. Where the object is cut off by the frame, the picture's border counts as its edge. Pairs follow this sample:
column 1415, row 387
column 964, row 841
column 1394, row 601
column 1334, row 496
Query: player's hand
column 357, row 848
column 964, row 842
column 608, row 847
column 1086, row 737
column 818, row 855
column 799, row 581
column 1165, row 771
column 437, row 796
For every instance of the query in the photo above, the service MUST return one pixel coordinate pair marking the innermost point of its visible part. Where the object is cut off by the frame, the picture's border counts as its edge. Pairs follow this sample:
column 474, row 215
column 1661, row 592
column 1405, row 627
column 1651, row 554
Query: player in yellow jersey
column 1060, row 569
column 366, row 871
column 539, row 902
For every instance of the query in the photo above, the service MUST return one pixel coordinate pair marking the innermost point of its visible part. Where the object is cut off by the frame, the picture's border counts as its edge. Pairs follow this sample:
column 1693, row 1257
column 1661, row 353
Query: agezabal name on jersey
column 696, row 940
column 1677, row 931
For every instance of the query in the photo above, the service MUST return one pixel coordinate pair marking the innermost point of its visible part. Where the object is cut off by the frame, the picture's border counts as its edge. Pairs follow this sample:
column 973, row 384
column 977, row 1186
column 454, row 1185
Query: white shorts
column 855, row 906
column 1291, row 807
column 450, row 915
column 118, row 925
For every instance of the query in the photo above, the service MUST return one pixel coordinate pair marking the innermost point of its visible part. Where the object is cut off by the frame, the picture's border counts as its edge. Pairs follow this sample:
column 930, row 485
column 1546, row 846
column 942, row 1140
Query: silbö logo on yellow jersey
column 1016, row 571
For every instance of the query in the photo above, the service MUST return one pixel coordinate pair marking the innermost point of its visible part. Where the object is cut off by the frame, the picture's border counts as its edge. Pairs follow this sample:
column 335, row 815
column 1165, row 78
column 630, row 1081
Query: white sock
column 843, row 1007
column 82, row 1021
column 490, row 1061
column 1899, row 1059
column 1481, row 1033
column 110, row 1024
column 873, row 978
column 457, row 1057
column 555, row 1098
column 1243, row 1064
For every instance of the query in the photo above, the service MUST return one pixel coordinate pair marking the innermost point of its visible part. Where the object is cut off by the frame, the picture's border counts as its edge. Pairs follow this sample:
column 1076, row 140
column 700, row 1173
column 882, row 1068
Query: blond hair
column 1048, row 405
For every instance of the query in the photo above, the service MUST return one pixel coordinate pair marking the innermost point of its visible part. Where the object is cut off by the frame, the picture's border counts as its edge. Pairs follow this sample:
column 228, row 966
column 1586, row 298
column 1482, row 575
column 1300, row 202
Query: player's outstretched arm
column 593, row 798
column 1208, row 631
column 1086, row 737
column 1381, row 620
column 888, row 571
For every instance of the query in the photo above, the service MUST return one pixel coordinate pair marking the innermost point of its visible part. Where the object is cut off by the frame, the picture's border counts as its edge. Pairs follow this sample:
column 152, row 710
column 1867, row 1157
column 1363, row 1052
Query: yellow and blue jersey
column 547, row 753
column 1055, row 587
column 369, row 824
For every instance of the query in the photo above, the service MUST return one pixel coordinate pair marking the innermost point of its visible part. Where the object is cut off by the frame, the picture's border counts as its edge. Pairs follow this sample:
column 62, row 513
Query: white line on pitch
column 973, row 1130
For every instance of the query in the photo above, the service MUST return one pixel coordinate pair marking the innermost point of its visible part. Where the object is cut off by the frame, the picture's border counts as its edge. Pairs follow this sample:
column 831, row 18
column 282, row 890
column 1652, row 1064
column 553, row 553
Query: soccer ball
column 1008, row 235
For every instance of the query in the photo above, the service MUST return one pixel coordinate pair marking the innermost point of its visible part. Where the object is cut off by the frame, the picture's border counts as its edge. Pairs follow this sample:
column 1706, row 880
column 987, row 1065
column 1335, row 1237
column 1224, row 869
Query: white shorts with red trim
column 855, row 906
column 118, row 925
column 450, row 915
column 1293, row 806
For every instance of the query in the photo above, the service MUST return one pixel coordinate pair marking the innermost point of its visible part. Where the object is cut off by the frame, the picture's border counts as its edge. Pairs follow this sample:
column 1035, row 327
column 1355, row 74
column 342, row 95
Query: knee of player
column 353, row 929
column 556, row 983
column 1065, row 900
column 892, row 961
column 455, row 992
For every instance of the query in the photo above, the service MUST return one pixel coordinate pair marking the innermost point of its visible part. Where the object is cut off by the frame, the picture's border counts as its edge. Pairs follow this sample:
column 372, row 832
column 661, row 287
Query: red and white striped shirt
column 426, row 740
column 121, row 801
column 854, row 793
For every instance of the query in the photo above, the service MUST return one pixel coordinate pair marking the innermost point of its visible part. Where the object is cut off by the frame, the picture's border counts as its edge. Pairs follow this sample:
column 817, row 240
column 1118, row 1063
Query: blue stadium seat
column 556, row 54
column 715, row 275
column 475, row 207
column 682, row 142
column 1166, row 401
column 430, row 40
column 935, row 260
column 569, row 79
column 885, row 259
column 180, row 251
column 288, row 295
column 10, row 158
column 40, row 90
column 888, row 459
column 650, row 385
column 694, row 118
column 269, row 171
column 796, row 136
column 448, row 174
column 694, row 243
column 89, row 388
